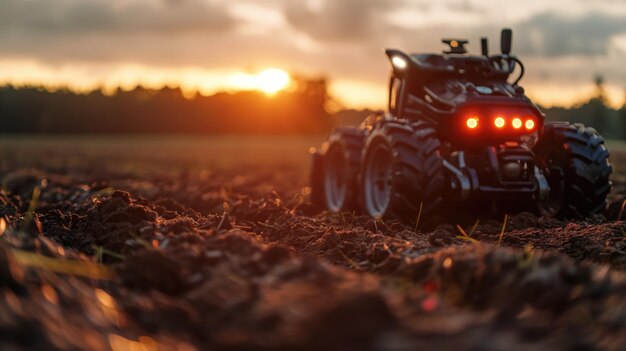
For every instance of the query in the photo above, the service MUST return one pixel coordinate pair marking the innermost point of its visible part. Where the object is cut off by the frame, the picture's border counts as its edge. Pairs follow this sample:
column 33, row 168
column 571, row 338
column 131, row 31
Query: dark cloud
column 339, row 20
column 26, row 25
column 544, row 34
column 76, row 17
column 551, row 34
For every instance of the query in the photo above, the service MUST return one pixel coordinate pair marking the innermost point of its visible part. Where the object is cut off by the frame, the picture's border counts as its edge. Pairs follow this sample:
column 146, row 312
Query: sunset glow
column 351, row 93
column 271, row 80
column 268, row 81
column 205, row 47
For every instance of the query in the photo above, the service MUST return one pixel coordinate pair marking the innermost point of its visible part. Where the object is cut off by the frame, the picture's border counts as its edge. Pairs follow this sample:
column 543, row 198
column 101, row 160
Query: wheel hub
column 335, row 186
column 377, row 181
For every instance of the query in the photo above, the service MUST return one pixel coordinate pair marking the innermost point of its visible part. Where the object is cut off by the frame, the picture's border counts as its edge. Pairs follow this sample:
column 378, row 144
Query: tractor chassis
column 511, row 170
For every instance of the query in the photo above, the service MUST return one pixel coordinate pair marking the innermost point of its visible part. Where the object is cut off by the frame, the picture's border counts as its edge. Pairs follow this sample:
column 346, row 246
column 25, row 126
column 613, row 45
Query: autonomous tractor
column 460, row 134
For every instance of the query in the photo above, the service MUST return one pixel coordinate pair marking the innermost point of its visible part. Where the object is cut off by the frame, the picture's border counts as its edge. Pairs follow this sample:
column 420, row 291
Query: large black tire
column 576, row 164
column 334, row 175
column 403, row 165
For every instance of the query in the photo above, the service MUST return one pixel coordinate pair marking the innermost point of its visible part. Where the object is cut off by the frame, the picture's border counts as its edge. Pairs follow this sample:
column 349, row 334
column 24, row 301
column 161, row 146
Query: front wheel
column 403, row 173
column 576, row 165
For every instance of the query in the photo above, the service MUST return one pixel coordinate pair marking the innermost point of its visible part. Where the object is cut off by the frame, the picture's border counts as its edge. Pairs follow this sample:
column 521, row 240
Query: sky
column 214, row 45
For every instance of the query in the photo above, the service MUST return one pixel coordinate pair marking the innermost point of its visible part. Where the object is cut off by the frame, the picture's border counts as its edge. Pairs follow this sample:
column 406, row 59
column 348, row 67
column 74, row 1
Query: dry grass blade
column 101, row 251
column 267, row 225
column 506, row 218
column 141, row 241
column 219, row 226
column 621, row 210
column 79, row 268
column 99, row 254
column 464, row 235
column 349, row 260
column 419, row 215
column 32, row 206
column 466, row 238
column 34, row 200
column 105, row 191
column 474, row 226
column 376, row 224
column 3, row 225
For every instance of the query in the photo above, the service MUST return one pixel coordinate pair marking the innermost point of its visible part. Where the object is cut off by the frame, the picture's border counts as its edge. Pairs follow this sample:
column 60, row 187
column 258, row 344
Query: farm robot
column 460, row 133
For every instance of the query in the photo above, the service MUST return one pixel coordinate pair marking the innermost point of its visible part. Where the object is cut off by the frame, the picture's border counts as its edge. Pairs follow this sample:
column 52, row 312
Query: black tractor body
column 460, row 133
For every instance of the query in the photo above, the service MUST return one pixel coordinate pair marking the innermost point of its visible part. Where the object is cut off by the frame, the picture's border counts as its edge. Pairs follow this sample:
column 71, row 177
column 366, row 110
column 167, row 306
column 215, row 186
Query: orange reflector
column 472, row 122
column 499, row 122
column 517, row 123
column 530, row 124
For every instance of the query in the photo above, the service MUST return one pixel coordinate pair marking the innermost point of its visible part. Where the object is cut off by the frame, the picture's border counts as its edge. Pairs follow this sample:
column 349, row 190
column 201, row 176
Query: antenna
column 505, row 41
column 484, row 46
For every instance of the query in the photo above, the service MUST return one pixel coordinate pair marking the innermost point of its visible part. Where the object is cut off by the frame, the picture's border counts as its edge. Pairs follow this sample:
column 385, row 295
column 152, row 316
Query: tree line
column 594, row 112
column 302, row 109
column 37, row 110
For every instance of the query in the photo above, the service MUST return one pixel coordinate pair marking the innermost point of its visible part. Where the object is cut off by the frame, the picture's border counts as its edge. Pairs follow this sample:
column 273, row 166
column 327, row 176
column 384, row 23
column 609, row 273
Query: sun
column 272, row 80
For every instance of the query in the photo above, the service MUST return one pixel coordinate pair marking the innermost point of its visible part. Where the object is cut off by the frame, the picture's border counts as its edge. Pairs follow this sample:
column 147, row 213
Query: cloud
column 80, row 17
column 550, row 34
column 334, row 20
column 159, row 31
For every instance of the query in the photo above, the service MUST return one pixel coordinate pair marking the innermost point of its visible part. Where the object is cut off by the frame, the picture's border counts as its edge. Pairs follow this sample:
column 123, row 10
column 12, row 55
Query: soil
column 238, row 259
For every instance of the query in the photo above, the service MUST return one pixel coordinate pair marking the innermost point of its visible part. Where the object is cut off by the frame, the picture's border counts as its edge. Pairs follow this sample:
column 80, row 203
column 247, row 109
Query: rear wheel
column 575, row 162
column 403, row 172
column 334, row 176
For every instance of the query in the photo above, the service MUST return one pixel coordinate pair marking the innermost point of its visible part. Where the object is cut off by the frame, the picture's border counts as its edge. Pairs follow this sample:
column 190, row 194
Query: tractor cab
column 468, row 95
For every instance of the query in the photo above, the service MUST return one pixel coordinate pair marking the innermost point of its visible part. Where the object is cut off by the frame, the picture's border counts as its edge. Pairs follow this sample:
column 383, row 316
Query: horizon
column 289, row 88
column 208, row 46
